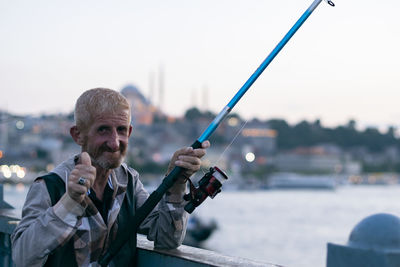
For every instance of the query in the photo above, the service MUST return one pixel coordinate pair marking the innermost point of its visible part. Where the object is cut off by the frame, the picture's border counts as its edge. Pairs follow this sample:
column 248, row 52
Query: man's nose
column 113, row 141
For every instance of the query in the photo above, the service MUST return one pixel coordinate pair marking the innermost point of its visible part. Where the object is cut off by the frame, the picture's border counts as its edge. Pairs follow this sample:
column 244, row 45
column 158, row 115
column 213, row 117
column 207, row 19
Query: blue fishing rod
column 171, row 178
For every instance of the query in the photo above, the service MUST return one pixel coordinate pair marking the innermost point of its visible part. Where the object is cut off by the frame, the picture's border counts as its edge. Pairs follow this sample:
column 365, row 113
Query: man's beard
column 99, row 158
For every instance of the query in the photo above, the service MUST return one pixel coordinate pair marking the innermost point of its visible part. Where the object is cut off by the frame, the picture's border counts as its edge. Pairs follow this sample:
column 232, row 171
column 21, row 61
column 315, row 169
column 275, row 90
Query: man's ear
column 76, row 135
column 130, row 130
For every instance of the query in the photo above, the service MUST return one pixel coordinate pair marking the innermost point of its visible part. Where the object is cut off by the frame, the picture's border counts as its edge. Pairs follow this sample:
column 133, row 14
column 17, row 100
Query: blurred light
column 21, row 173
column 9, row 170
column 4, row 168
column 15, row 168
column 1, row 154
column 233, row 121
column 20, row 125
column 250, row 157
column 7, row 174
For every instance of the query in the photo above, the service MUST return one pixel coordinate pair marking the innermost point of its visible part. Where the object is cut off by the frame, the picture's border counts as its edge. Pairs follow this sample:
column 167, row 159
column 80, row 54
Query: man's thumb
column 85, row 159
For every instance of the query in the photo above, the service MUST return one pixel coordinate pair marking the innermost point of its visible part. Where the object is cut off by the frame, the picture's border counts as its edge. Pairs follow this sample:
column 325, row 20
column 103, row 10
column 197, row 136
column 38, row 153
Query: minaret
column 151, row 87
column 194, row 99
column 161, row 88
column 205, row 98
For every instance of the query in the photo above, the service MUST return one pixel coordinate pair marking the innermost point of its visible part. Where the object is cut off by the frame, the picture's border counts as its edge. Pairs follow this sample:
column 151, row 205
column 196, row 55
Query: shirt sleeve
column 166, row 224
column 53, row 226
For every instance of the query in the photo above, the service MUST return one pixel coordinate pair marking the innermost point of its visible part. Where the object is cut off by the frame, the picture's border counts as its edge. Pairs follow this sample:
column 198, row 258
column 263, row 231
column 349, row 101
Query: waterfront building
column 316, row 159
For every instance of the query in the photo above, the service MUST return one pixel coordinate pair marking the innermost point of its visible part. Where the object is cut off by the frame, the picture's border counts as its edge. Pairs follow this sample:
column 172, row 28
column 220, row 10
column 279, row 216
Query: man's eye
column 102, row 129
column 122, row 129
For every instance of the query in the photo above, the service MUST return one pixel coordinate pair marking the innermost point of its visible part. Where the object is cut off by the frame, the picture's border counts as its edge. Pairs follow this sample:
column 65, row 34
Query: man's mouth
column 111, row 152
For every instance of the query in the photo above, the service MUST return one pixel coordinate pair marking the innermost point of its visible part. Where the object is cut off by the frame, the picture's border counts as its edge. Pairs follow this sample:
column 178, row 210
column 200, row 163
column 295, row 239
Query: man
column 72, row 215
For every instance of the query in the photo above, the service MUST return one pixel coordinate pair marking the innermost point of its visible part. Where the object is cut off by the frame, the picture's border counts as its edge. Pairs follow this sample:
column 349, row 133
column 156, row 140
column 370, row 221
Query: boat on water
column 198, row 231
column 298, row 181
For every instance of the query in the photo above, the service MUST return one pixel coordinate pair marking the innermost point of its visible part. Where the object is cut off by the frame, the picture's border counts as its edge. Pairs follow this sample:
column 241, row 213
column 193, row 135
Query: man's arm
column 166, row 225
column 43, row 228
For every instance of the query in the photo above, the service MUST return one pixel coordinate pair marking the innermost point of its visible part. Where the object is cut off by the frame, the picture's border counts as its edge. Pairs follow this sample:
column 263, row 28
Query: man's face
column 106, row 139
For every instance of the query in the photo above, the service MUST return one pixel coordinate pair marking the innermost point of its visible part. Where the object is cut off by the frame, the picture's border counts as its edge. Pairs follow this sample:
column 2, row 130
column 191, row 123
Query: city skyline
column 341, row 65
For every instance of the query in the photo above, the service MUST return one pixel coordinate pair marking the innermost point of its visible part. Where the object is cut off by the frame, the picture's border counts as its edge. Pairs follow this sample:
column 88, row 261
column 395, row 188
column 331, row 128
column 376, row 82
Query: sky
column 342, row 64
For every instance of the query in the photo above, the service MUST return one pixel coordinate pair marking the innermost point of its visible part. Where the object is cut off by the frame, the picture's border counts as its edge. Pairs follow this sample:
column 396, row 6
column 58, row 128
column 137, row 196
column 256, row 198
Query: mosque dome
column 131, row 91
column 141, row 109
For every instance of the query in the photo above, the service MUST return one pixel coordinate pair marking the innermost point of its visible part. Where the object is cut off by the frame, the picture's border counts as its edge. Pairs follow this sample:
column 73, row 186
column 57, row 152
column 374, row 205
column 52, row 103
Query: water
column 15, row 195
column 291, row 227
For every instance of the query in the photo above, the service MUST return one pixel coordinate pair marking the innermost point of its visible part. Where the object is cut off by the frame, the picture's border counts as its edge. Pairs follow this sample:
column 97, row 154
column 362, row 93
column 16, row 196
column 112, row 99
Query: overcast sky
column 342, row 64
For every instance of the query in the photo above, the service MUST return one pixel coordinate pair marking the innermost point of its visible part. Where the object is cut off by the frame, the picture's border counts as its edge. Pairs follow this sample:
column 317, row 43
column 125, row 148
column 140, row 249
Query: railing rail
column 187, row 256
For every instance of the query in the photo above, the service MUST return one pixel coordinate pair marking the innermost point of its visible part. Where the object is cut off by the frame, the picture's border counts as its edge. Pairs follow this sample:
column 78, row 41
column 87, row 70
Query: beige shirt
column 43, row 228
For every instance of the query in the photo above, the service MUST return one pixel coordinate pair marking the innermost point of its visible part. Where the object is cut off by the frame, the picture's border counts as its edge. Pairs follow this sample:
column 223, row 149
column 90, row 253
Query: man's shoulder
column 55, row 185
column 130, row 172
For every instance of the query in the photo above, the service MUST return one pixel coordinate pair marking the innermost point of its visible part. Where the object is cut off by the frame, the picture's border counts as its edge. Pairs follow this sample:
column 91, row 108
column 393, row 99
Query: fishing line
column 233, row 140
column 204, row 170
column 144, row 210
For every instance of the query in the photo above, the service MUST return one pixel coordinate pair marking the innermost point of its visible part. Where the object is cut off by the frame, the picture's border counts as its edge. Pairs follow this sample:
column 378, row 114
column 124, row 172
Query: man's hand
column 189, row 159
column 84, row 169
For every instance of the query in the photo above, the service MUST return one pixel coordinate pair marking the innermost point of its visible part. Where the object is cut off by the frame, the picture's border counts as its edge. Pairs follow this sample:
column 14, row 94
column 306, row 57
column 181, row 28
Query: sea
column 285, row 227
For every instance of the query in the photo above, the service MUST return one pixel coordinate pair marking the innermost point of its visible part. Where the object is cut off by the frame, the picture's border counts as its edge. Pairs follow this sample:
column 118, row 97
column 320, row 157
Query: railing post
column 374, row 242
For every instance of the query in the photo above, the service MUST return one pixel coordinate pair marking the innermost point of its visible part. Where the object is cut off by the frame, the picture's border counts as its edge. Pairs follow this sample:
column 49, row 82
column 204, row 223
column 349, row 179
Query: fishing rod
column 172, row 177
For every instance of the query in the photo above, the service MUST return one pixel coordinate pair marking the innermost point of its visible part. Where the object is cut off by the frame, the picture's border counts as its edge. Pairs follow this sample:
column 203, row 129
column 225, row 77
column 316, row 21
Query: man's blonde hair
column 96, row 102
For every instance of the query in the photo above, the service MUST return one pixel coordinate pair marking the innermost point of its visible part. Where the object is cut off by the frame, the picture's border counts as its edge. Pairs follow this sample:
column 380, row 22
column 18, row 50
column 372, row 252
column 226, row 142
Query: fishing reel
column 209, row 185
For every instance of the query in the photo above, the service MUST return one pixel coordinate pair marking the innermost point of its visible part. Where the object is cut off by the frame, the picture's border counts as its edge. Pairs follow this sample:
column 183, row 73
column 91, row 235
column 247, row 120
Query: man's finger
column 85, row 159
column 206, row 144
column 77, row 189
column 189, row 159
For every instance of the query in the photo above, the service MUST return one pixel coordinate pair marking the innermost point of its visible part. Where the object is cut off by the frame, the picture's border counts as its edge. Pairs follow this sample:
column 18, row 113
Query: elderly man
column 72, row 215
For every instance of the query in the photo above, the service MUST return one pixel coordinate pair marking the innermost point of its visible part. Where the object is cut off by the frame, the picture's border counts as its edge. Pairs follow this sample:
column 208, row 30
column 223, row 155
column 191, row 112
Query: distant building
column 316, row 159
column 259, row 138
column 307, row 162
column 142, row 110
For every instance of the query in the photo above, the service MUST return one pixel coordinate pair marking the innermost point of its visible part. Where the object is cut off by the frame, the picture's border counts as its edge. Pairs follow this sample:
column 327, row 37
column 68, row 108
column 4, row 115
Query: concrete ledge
column 188, row 256
column 344, row 256
column 373, row 242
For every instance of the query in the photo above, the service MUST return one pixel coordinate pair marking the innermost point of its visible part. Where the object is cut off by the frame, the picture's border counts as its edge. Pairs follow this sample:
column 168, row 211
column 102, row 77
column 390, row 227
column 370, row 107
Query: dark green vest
column 65, row 255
